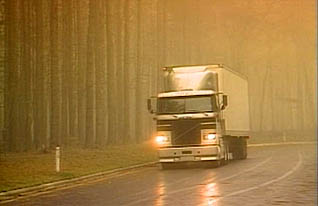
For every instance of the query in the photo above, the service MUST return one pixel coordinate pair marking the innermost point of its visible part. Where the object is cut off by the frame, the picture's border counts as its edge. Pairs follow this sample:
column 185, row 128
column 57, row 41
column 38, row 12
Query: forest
column 79, row 72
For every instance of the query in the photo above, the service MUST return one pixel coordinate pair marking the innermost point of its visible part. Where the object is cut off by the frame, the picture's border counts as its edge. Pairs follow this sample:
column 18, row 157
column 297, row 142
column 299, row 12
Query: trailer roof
column 186, row 93
column 204, row 66
column 194, row 65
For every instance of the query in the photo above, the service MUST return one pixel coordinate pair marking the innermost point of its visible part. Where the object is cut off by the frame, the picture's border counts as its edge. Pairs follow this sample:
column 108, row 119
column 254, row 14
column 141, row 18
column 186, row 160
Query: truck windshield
column 172, row 105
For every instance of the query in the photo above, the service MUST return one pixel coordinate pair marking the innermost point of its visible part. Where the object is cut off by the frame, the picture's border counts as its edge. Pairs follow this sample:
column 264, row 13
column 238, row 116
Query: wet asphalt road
column 271, row 175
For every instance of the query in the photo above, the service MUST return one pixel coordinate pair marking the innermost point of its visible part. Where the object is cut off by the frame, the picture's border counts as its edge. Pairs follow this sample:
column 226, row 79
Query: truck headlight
column 209, row 136
column 163, row 138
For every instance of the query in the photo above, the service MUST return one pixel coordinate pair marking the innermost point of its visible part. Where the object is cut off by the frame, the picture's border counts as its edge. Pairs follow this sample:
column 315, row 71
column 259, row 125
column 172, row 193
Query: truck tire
column 226, row 158
column 243, row 148
column 240, row 148
column 165, row 166
column 214, row 163
column 234, row 148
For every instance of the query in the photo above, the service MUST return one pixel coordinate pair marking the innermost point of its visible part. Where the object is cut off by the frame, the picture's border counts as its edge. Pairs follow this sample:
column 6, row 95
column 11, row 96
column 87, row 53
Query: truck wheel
column 234, row 148
column 164, row 166
column 226, row 159
column 211, row 163
column 243, row 149
column 215, row 163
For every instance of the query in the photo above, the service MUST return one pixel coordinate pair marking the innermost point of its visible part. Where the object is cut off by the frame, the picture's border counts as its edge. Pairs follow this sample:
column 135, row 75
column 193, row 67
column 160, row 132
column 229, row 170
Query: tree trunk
column 120, row 6
column 82, row 26
column 90, row 80
column 40, row 91
column 126, row 72
column 12, row 116
column 56, row 78
column 100, row 52
column 112, row 69
column 131, row 66
column 27, row 78
column 139, row 118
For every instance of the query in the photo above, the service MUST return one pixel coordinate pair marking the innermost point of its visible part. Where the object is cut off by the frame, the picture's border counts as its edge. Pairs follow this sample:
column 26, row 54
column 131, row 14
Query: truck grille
column 186, row 132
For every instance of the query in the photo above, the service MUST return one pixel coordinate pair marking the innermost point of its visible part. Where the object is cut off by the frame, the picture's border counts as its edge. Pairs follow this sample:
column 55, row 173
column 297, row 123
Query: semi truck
column 202, row 115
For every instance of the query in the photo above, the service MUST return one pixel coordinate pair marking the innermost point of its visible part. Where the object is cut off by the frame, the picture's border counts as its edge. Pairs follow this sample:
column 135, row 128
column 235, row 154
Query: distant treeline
column 80, row 71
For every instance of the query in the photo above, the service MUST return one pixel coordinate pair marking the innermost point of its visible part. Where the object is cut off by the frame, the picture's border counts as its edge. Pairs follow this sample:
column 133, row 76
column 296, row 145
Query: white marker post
column 57, row 158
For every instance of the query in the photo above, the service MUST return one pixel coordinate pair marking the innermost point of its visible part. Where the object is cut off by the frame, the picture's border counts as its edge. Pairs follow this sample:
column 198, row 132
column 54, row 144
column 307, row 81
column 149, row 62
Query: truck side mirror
column 224, row 102
column 150, row 106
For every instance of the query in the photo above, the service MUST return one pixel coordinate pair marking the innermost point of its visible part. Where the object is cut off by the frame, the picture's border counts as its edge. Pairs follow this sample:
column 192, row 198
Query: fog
column 80, row 72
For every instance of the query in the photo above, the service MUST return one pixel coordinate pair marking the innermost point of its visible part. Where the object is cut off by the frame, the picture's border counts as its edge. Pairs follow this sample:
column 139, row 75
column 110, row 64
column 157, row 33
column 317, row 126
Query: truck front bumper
column 184, row 154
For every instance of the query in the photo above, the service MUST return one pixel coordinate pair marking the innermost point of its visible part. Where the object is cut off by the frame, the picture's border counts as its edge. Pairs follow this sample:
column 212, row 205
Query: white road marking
column 296, row 167
column 280, row 143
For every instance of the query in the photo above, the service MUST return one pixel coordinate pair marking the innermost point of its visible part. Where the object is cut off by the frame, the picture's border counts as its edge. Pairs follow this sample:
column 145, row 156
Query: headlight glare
column 210, row 136
column 161, row 139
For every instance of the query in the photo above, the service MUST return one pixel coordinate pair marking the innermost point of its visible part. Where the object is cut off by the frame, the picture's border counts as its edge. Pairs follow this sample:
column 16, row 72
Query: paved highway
column 271, row 175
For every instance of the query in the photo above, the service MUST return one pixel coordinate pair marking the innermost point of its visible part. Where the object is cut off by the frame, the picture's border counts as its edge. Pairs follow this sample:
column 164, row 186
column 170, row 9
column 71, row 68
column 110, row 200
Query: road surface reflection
column 209, row 194
column 199, row 192
column 160, row 191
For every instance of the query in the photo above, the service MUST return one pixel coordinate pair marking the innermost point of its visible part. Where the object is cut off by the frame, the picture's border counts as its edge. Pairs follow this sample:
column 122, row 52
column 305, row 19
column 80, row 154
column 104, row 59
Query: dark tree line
column 78, row 72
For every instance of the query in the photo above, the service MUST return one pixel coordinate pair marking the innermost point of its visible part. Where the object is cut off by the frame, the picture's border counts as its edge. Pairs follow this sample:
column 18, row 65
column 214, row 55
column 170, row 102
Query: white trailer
column 236, row 115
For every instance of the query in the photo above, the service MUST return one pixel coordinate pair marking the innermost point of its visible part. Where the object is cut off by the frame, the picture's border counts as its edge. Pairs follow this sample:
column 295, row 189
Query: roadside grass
column 19, row 170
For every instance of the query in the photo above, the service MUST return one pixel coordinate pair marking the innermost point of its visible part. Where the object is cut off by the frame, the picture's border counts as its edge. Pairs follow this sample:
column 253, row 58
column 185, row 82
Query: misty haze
column 158, row 102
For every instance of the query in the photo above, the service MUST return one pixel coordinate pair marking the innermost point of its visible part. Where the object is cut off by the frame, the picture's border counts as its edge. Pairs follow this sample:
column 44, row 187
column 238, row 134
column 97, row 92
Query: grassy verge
column 29, row 169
